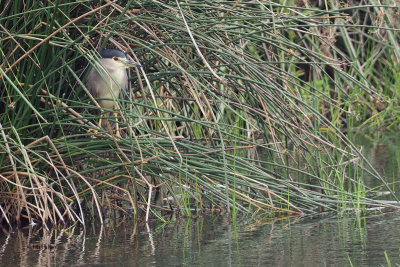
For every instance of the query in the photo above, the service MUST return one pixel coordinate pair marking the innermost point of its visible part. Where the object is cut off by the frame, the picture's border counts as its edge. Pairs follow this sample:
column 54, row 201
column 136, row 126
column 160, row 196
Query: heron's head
column 113, row 58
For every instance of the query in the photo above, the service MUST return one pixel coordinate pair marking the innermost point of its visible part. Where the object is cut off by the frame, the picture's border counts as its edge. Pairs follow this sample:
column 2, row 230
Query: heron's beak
column 130, row 63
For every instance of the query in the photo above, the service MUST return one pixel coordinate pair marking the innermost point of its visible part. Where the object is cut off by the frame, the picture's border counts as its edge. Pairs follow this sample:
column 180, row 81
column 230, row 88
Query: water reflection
column 383, row 152
column 210, row 241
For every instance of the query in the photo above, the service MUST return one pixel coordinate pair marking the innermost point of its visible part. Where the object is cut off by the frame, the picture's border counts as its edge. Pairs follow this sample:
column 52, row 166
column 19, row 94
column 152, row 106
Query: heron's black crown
column 110, row 53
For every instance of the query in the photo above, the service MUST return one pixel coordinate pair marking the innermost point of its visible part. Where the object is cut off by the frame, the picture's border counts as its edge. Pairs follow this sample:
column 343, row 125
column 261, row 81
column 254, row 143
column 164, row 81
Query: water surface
column 211, row 241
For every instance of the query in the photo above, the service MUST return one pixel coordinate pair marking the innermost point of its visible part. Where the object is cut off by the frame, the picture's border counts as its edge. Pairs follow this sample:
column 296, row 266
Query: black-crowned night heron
column 107, row 78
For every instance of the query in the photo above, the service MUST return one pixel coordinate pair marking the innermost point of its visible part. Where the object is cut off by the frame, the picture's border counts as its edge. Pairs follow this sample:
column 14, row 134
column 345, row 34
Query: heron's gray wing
column 92, row 80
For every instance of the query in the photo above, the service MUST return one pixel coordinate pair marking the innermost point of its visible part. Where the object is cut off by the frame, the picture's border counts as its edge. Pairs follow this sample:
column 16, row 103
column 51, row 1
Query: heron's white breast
column 112, row 81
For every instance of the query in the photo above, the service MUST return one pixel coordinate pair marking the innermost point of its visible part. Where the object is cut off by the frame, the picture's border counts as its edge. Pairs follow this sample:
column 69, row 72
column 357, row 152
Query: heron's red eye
column 115, row 58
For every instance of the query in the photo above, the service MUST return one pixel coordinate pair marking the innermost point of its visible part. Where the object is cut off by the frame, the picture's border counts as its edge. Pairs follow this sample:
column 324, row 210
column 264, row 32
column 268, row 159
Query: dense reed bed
column 240, row 106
